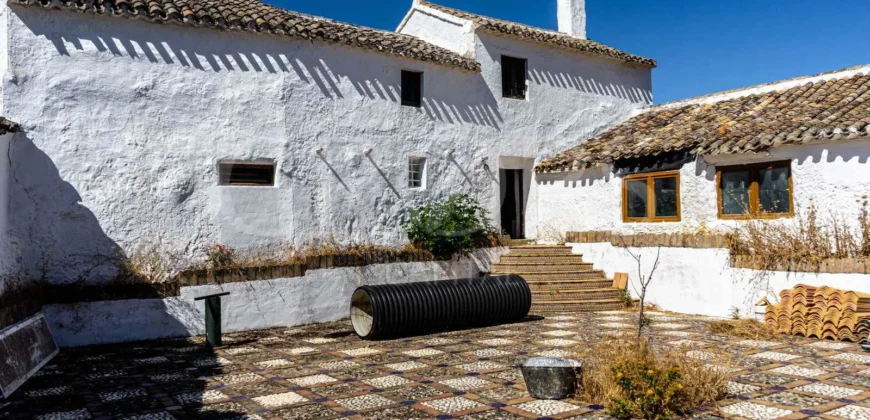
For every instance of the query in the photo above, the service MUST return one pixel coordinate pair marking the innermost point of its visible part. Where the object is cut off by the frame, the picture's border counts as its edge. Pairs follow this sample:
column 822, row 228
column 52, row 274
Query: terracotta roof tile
column 835, row 109
column 544, row 36
column 254, row 16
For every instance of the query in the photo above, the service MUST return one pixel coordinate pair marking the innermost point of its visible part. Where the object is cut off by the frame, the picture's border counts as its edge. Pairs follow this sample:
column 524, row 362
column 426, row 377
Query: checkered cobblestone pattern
column 325, row 372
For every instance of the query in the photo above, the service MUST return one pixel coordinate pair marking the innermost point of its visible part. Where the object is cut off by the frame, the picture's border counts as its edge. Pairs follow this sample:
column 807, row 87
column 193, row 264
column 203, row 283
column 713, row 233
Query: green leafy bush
column 456, row 225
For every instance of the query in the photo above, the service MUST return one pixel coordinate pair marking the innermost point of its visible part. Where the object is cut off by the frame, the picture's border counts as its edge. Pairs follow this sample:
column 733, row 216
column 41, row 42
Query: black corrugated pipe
column 413, row 308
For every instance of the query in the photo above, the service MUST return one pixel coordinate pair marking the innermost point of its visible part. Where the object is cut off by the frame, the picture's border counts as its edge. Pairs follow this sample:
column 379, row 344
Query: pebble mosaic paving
column 324, row 371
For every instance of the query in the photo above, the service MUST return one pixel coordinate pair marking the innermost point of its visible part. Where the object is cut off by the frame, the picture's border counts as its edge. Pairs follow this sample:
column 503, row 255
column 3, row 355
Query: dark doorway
column 512, row 209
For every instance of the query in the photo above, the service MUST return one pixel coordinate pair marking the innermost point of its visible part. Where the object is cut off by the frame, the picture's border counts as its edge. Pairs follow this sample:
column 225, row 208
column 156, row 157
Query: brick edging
column 670, row 240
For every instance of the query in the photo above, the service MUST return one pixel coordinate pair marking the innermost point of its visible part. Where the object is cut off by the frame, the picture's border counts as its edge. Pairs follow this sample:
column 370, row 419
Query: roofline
column 782, row 84
column 476, row 25
column 468, row 65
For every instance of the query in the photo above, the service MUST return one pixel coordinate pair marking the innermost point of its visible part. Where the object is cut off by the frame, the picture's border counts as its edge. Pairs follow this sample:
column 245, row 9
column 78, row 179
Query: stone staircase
column 560, row 281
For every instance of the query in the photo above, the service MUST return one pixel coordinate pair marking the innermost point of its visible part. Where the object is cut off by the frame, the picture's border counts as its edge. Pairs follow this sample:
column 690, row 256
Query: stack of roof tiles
column 827, row 110
column 822, row 312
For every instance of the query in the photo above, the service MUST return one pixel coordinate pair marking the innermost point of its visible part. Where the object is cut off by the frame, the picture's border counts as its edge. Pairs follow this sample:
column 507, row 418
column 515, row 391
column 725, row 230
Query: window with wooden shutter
column 246, row 174
column 513, row 77
column 412, row 88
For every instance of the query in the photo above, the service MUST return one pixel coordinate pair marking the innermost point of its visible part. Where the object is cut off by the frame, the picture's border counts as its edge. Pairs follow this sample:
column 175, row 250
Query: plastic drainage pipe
column 414, row 308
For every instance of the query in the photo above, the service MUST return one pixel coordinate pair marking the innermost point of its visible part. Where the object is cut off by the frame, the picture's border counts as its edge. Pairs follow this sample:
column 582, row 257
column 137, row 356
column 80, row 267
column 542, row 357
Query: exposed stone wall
column 124, row 123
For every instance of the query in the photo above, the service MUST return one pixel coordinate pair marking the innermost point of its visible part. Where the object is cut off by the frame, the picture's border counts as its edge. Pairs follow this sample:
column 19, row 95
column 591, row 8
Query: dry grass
column 283, row 255
column 693, row 386
column 808, row 239
column 742, row 328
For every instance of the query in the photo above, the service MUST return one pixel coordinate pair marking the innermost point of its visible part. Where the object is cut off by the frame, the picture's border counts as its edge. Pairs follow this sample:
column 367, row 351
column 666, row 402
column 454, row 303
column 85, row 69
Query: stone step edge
column 575, row 301
column 589, row 290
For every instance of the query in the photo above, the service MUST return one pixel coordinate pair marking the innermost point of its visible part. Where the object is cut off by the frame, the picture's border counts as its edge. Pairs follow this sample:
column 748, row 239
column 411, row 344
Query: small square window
column 246, row 174
column 412, row 88
column 416, row 172
column 513, row 77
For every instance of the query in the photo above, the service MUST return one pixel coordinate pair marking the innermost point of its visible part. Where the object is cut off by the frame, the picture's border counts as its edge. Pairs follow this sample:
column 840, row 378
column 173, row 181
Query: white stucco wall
column 319, row 296
column 834, row 176
column 701, row 281
column 125, row 121
column 439, row 28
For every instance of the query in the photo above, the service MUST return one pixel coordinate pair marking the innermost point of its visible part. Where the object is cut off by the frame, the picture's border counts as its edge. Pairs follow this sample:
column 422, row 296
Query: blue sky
column 702, row 46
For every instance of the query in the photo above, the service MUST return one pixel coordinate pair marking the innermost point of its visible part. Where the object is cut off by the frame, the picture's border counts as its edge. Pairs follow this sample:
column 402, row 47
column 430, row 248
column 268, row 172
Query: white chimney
column 572, row 17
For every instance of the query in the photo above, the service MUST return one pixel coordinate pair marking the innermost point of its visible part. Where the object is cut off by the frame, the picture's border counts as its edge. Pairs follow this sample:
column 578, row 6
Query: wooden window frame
column 506, row 92
column 412, row 99
column 754, row 200
column 650, row 178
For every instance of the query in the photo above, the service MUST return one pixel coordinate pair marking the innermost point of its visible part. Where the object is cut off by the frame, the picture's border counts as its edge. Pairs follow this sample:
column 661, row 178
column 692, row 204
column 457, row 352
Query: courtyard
column 325, row 371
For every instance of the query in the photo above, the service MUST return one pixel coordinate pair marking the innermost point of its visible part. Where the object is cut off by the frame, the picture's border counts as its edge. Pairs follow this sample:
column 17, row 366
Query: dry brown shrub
column 806, row 240
column 742, row 328
column 699, row 386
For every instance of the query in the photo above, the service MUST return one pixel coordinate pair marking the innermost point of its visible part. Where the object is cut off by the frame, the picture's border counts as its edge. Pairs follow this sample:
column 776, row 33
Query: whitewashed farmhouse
column 198, row 122
column 201, row 122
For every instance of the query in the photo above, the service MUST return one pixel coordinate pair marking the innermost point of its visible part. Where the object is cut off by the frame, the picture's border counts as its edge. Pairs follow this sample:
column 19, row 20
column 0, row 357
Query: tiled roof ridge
column 542, row 35
column 761, row 87
column 258, row 17
column 828, row 109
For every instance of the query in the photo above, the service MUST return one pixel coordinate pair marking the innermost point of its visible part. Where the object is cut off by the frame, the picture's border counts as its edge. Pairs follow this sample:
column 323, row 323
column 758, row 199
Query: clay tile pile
column 544, row 36
column 822, row 312
column 828, row 110
column 254, row 16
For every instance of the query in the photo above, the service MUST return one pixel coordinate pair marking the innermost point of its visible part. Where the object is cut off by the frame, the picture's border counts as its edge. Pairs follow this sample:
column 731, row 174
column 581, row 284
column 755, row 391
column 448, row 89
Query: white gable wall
column 439, row 28
column 124, row 123
column 834, row 176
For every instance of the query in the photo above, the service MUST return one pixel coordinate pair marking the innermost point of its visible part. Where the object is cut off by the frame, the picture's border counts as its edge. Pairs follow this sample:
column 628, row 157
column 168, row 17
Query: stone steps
column 542, row 258
column 565, row 276
column 575, row 294
column 577, row 306
column 523, row 268
column 560, row 281
column 570, row 285
column 539, row 249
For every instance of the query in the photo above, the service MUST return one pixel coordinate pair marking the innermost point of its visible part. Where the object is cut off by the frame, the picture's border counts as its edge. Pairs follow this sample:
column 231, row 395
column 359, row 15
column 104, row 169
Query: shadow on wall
column 604, row 85
column 583, row 178
column 452, row 96
column 59, row 239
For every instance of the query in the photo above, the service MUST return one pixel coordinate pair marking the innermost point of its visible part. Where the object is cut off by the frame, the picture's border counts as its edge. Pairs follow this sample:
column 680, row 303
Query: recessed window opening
column 651, row 197
column 513, row 77
column 246, row 174
column 412, row 88
column 416, row 172
column 759, row 191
